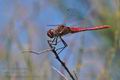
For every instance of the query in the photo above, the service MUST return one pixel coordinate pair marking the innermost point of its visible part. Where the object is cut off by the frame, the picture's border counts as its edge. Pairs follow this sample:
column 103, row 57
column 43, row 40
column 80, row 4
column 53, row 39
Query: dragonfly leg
column 62, row 48
column 54, row 41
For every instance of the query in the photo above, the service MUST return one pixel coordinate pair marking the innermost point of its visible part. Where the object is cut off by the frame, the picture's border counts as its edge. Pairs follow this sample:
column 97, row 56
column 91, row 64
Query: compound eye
column 51, row 30
column 50, row 33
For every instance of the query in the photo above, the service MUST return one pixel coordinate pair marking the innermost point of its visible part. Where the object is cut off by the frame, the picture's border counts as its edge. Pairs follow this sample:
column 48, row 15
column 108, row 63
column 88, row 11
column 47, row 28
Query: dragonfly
column 62, row 30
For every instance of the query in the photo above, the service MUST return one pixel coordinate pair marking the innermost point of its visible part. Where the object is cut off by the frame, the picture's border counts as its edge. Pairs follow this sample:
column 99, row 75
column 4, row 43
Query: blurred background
column 92, row 55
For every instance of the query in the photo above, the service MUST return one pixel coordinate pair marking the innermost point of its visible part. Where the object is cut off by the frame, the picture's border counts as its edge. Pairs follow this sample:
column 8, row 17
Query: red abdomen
column 78, row 29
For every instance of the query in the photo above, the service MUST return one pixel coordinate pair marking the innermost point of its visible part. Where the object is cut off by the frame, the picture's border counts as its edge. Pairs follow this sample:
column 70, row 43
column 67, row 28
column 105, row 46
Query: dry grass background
column 23, row 28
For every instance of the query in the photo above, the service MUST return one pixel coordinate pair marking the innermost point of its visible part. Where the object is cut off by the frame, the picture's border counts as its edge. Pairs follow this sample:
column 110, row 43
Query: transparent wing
column 71, row 17
column 74, row 17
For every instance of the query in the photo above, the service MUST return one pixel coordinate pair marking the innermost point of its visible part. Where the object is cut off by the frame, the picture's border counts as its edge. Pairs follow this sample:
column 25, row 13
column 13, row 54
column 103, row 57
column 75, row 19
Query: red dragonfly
column 62, row 30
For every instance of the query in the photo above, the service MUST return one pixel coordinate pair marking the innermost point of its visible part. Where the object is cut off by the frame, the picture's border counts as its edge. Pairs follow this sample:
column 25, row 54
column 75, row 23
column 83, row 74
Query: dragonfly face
column 50, row 33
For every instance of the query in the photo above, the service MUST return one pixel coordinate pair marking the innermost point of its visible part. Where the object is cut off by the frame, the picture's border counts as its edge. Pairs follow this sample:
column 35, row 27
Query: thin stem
column 61, row 62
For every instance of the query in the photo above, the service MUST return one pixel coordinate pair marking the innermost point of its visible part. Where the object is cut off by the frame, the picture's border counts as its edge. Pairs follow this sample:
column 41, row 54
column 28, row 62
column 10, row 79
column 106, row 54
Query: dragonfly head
column 50, row 33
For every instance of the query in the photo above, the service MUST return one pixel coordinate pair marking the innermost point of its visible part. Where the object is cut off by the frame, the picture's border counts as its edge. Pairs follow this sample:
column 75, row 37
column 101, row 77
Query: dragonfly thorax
column 59, row 31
